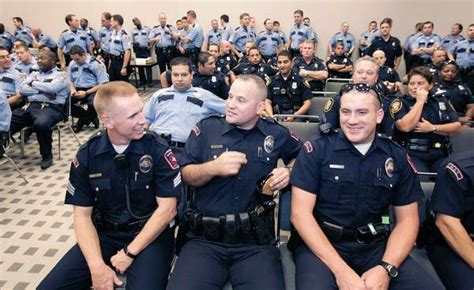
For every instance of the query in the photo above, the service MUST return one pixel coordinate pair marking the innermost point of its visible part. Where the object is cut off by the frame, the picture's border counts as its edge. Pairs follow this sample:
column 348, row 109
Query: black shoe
column 47, row 161
column 78, row 127
column 96, row 123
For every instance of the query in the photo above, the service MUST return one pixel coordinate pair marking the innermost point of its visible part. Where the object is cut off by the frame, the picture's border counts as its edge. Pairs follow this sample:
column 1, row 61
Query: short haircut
column 428, row 22
column 387, row 20
column 459, row 25
column 299, row 11
column 276, row 22
column 421, row 71
column 68, row 18
column 204, row 57
column 265, row 21
column 373, row 21
column 24, row 47
column 225, row 18
column 243, row 15
column 181, row 61
column 471, row 25
column 76, row 49
column 191, row 13
column 18, row 19
column 118, row 18
column 107, row 15
column 4, row 48
column 339, row 43
column 262, row 89
column 85, row 20
column 48, row 53
column 309, row 41
column 107, row 92
column 253, row 48
column 372, row 92
column 21, row 42
column 439, row 49
column 306, row 18
column 369, row 59
column 285, row 53
column 216, row 45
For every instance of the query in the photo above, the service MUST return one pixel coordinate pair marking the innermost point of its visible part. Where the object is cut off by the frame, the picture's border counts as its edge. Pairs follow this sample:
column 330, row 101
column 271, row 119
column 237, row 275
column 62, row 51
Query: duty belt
column 368, row 234
column 46, row 105
column 167, row 137
column 424, row 145
column 108, row 226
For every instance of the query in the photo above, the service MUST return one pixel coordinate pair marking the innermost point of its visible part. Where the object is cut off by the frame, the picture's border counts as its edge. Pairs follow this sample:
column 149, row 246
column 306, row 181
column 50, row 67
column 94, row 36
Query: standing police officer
column 424, row 46
column 389, row 44
column 451, row 249
column 46, row 92
column 407, row 46
column 72, row 36
column 104, row 35
column 242, row 34
column 194, row 37
column 123, row 186
column 120, row 50
column 6, row 38
column 22, row 32
column 346, row 38
column 229, row 227
column 267, row 41
column 86, row 74
column 214, row 36
column 454, row 37
column 298, row 33
column 162, row 37
column 464, row 52
column 343, row 185
column 367, row 37
column 140, row 35
column 209, row 78
column 41, row 40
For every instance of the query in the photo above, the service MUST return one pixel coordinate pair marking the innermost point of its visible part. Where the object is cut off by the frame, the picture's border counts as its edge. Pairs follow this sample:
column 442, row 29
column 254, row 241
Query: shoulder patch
column 455, row 171
column 196, row 131
column 395, row 107
column 171, row 159
column 308, row 147
column 294, row 136
column 329, row 104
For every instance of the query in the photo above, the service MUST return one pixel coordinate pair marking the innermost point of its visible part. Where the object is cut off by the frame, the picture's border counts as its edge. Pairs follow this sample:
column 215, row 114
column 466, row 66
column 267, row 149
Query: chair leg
column 22, row 143
column 74, row 134
column 59, row 143
column 15, row 166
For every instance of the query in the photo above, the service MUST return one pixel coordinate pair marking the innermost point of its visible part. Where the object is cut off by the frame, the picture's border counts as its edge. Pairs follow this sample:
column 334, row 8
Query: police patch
column 455, row 170
column 389, row 166
column 75, row 162
column 442, row 106
column 294, row 85
column 196, row 131
column 329, row 104
column 171, row 159
column 293, row 135
column 308, row 147
column 145, row 163
column 213, row 79
column 395, row 107
column 268, row 143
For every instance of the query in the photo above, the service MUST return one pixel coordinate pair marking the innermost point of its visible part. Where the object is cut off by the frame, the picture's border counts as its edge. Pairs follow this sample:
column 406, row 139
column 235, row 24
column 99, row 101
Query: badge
column 196, row 130
column 461, row 87
column 283, row 91
column 268, row 143
column 389, row 166
column 228, row 58
column 213, row 79
column 395, row 107
column 442, row 106
column 316, row 66
column 328, row 105
column 145, row 164
column 294, row 85
column 394, row 44
column 171, row 159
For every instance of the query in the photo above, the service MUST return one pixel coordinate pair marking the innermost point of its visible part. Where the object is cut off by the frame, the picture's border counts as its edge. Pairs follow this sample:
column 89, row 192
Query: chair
column 318, row 94
column 66, row 123
column 6, row 147
column 305, row 131
column 317, row 106
column 463, row 141
column 334, row 85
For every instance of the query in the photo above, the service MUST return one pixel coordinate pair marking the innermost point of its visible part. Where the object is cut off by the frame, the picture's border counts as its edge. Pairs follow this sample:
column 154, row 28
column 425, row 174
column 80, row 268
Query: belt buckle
column 437, row 145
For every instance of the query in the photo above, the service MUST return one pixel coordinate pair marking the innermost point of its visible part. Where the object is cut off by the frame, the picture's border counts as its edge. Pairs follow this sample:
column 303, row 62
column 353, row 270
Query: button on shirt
column 69, row 38
column 263, row 146
column 140, row 36
column 87, row 74
column 95, row 180
column 23, row 34
column 347, row 38
column 241, row 36
column 164, row 34
column 464, row 51
column 354, row 189
column 119, row 42
column 267, row 42
column 173, row 112
column 104, row 36
column 289, row 93
column 40, row 84
column 298, row 34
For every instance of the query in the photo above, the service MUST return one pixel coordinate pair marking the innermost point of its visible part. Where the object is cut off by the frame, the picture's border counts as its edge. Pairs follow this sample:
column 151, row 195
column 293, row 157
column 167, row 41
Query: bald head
column 379, row 57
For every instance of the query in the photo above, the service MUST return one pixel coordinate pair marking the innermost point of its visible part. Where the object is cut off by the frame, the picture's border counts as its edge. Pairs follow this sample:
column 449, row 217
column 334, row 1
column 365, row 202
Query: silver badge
column 268, row 143
column 294, row 85
column 283, row 91
column 213, row 79
column 442, row 106
column 145, row 163
column 389, row 166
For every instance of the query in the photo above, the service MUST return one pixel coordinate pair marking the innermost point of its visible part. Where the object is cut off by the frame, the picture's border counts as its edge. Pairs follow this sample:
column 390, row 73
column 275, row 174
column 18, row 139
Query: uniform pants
column 163, row 56
column 204, row 265
column 453, row 271
column 427, row 161
column 149, row 270
column 115, row 68
column 41, row 119
column 85, row 116
column 312, row 273
column 143, row 52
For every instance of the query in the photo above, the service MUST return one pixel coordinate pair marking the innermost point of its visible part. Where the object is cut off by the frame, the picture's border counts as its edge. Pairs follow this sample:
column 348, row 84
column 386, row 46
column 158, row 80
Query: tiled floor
column 35, row 225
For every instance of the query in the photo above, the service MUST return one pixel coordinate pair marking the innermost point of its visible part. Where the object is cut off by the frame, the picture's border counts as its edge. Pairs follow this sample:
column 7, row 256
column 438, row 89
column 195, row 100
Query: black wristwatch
column 130, row 255
column 392, row 271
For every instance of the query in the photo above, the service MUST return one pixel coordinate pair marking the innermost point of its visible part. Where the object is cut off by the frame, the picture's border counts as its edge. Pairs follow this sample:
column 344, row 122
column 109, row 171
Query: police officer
column 343, row 185
column 172, row 112
column 210, row 79
column 123, row 186
column 339, row 64
column 407, row 46
column 288, row 92
column 194, row 38
column 91, row 33
column 224, row 160
column 86, row 75
column 162, row 37
column 27, row 63
column 450, row 40
column 6, row 38
column 298, row 33
column 105, row 32
column 242, row 34
column 72, row 36
column 120, row 50
column 214, row 36
column 314, row 35
column 424, row 46
column 456, row 92
column 267, row 41
column 423, row 121
column 281, row 33
column 41, row 40
column 451, row 251
column 310, row 67
column 46, row 92
column 367, row 37
column 22, row 32
column 437, row 59
column 346, row 38
column 464, row 52
column 10, row 81
column 226, row 60
column 226, row 30
column 389, row 44
column 140, row 36
column 5, row 120
column 387, row 75
column 254, row 65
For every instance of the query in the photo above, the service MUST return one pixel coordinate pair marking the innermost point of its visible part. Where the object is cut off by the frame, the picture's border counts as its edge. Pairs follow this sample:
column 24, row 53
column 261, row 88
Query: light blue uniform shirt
column 119, row 42
column 226, row 32
column 214, row 36
column 140, row 36
column 164, row 34
column 410, row 39
column 88, row 74
column 6, row 40
column 195, row 35
column 240, row 37
column 267, row 42
column 104, row 36
column 10, row 82
column 26, row 68
column 47, row 41
column 464, row 51
column 298, row 34
column 5, row 114
column 53, row 82
column 427, row 42
column 23, row 34
column 175, row 113
column 70, row 38
column 348, row 39
column 449, row 41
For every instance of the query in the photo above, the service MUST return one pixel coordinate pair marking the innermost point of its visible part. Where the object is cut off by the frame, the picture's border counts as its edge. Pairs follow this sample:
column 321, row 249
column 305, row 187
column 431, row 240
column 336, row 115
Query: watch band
column 392, row 271
column 130, row 255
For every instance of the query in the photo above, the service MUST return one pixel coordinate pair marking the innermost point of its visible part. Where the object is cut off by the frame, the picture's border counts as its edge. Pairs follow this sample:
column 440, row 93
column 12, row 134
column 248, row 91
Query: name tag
column 95, row 175
column 336, row 166
column 219, row 146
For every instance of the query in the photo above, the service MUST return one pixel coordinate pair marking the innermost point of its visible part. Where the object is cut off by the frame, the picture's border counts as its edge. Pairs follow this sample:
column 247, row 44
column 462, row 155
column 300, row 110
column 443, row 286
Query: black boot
column 47, row 161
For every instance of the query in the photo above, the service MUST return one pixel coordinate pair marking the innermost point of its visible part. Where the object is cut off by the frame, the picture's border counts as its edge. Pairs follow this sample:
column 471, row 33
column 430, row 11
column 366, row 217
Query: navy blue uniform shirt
column 290, row 93
column 458, row 94
column 391, row 47
column 214, row 83
column 316, row 64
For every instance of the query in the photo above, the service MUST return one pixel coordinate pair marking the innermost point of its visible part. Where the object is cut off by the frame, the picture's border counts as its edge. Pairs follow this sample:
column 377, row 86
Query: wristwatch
column 392, row 271
column 130, row 255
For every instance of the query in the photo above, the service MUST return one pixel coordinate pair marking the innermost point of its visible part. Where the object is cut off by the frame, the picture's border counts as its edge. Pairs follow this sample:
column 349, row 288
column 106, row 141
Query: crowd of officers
column 203, row 151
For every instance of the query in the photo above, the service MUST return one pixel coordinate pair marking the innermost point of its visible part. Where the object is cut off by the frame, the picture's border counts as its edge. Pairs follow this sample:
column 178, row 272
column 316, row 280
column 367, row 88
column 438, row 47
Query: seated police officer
column 437, row 59
column 46, row 92
column 123, row 186
column 10, row 81
column 208, row 78
column 226, row 60
column 339, row 65
column 5, row 120
column 27, row 62
column 451, row 246
column 86, row 74
column 172, row 112
column 387, row 75
column 288, row 93
column 310, row 67
column 254, row 65
column 229, row 226
column 343, row 185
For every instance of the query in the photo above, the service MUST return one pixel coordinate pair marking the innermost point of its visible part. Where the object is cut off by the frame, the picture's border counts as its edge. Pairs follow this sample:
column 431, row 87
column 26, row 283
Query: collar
column 105, row 145
column 260, row 126
column 342, row 143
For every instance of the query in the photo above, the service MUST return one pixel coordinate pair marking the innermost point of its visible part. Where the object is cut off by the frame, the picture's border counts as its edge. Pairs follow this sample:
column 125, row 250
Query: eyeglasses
column 360, row 87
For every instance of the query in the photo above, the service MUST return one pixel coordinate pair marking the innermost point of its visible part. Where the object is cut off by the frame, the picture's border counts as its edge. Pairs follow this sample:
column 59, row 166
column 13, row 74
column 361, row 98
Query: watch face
column 392, row 271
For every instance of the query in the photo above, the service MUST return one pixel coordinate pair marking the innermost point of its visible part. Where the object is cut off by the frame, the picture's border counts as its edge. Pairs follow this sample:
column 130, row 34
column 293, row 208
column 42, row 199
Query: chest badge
column 145, row 164
column 389, row 166
column 294, row 85
column 442, row 106
column 268, row 143
column 213, row 79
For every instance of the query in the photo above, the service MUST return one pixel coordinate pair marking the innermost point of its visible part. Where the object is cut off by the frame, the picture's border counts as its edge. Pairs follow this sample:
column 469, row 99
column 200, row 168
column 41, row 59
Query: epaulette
column 94, row 136
column 169, row 25
column 156, row 26
column 65, row 30
column 124, row 32
column 237, row 28
column 271, row 120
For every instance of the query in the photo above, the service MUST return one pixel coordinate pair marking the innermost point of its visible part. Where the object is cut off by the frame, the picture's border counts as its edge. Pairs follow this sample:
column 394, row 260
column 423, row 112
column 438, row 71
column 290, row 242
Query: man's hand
column 349, row 280
column 280, row 178
column 79, row 94
column 421, row 95
column 121, row 261
column 229, row 163
column 104, row 278
column 424, row 126
column 376, row 278
column 123, row 71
